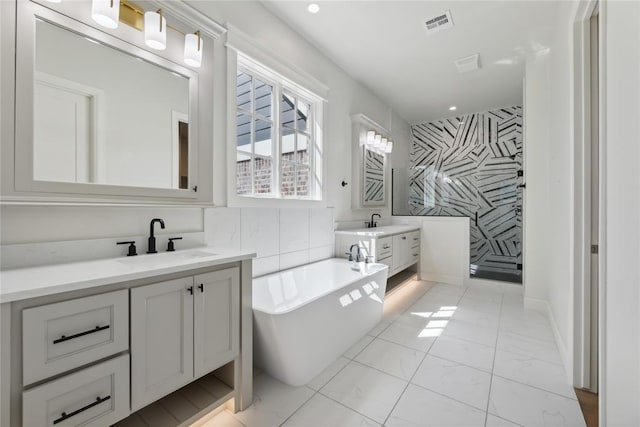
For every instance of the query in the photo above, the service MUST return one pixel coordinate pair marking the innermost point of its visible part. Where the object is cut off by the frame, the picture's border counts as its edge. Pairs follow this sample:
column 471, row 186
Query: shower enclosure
column 471, row 166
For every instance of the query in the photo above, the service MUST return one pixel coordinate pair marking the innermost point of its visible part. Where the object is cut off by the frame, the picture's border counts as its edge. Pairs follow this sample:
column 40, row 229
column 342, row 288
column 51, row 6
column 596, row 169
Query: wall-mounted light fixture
column 377, row 143
column 106, row 12
column 155, row 30
column 193, row 49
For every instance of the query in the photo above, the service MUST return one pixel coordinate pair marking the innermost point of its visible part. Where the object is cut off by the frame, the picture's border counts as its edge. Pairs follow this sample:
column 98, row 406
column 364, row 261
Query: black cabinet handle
column 404, row 237
column 64, row 338
column 476, row 217
column 65, row 416
column 190, row 290
column 201, row 287
column 385, row 247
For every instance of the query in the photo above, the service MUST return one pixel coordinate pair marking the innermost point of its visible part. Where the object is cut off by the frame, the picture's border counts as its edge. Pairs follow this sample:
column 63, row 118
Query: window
column 278, row 136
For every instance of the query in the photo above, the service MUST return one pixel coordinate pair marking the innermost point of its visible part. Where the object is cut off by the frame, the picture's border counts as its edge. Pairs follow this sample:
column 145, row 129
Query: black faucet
column 373, row 223
column 350, row 253
column 152, row 239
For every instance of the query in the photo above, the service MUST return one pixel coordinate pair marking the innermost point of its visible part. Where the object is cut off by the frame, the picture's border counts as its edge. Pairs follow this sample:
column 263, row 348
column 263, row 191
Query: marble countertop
column 387, row 230
column 30, row 282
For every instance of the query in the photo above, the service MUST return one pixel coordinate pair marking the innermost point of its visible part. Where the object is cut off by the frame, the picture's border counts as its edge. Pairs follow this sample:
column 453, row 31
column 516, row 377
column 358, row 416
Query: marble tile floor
column 441, row 356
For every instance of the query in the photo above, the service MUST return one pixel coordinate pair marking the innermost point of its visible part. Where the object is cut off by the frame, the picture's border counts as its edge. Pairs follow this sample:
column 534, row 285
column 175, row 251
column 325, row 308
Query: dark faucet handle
column 170, row 246
column 132, row 247
column 350, row 255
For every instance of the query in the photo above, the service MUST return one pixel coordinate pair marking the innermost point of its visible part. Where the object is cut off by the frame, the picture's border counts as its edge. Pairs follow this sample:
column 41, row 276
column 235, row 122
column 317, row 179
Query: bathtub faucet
column 350, row 253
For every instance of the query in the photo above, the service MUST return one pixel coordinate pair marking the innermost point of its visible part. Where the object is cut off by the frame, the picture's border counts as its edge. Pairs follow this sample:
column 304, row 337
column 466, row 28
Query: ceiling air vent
column 468, row 63
column 439, row 23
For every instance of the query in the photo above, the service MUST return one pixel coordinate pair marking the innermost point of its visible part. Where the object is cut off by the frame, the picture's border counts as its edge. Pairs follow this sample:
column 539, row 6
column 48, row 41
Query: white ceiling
column 384, row 45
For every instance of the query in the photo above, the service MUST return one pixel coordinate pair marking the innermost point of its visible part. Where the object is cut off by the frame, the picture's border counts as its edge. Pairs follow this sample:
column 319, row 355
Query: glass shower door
column 496, row 226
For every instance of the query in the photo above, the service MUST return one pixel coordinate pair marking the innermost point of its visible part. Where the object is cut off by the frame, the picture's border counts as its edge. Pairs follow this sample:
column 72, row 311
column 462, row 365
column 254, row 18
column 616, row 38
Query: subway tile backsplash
column 282, row 238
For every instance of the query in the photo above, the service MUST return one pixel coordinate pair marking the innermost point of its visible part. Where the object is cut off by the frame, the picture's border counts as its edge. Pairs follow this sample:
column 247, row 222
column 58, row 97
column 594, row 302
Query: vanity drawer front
column 385, row 248
column 96, row 396
column 414, row 238
column 388, row 261
column 66, row 335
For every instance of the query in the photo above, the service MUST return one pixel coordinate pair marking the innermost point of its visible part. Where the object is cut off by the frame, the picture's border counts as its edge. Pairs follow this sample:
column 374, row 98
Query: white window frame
column 244, row 56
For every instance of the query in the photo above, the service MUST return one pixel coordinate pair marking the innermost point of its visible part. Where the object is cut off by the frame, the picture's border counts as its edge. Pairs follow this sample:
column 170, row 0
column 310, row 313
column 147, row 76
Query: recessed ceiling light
column 313, row 8
column 452, row 108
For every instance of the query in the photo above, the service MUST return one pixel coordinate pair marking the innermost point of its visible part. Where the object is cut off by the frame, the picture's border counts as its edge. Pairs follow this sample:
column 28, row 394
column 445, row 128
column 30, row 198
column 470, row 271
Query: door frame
column 581, row 203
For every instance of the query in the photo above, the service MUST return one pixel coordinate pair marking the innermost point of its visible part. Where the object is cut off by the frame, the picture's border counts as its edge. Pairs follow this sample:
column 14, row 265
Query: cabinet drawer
column 96, row 396
column 66, row 335
column 388, row 261
column 414, row 255
column 414, row 239
column 384, row 248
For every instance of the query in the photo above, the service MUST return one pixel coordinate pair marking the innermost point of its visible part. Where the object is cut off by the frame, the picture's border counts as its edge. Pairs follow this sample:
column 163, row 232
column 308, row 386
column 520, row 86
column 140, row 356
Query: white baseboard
column 544, row 307
column 442, row 278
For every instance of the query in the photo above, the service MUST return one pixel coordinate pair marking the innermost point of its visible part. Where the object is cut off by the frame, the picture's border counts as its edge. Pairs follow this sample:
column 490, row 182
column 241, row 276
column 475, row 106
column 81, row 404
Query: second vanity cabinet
column 396, row 246
column 180, row 330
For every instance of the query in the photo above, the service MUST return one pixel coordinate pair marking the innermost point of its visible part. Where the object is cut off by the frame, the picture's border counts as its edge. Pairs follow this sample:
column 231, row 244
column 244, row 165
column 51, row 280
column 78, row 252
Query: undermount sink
column 164, row 258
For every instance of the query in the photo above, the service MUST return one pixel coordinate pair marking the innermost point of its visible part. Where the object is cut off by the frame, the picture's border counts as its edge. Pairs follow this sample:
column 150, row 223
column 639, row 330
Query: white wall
column 548, row 159
column 444, row 248
column 621, row 333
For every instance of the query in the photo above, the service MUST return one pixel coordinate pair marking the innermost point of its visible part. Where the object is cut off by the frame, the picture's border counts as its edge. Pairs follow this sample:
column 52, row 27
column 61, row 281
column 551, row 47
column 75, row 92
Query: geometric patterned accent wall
column 468, row 166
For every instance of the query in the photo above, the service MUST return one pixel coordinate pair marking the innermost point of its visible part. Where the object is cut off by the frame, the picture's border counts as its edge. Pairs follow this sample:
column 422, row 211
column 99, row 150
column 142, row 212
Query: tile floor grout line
column 351, row 409
column 447, row 397
column 493, row 364
column 402, row 345
column 410, row 382
column 534, row 386
column 298, row 408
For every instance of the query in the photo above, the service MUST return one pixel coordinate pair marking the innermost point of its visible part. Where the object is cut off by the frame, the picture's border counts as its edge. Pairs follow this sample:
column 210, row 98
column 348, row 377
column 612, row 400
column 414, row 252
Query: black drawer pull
column 404, row 237
column 64, row 338
column 190, row 290
column 201, row 287
column 386, row 247
column 416, row 238
column 415, row 254
column 65, row 416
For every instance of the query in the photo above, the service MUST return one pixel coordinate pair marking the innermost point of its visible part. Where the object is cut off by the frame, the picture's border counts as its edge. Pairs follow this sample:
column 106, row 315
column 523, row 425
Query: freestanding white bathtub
column 306, row 317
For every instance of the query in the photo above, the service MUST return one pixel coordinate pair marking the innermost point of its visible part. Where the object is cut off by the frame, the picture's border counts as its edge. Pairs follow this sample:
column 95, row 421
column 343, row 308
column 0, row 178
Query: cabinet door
column 216, row 319
column 161, row 339
column 400, row 250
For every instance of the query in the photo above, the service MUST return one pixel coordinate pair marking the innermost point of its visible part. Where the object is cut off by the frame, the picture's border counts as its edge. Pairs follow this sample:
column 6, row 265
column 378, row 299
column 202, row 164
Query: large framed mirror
column 99, row 115
column 369, row 164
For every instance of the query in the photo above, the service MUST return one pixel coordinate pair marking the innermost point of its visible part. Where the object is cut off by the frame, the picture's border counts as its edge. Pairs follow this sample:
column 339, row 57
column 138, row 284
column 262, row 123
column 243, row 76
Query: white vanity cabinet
column 396, row 246
column 180, row 330
column 94, row 343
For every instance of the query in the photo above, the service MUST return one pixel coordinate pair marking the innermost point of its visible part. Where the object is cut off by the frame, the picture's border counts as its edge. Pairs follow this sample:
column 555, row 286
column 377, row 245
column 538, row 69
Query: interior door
column 62, row 134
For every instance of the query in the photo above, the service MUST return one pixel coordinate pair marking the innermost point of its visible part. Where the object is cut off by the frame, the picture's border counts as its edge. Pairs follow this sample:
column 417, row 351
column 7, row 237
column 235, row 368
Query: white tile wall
column 222, row 227
column 282, row 238
column 260, row 229
column 294, row 230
